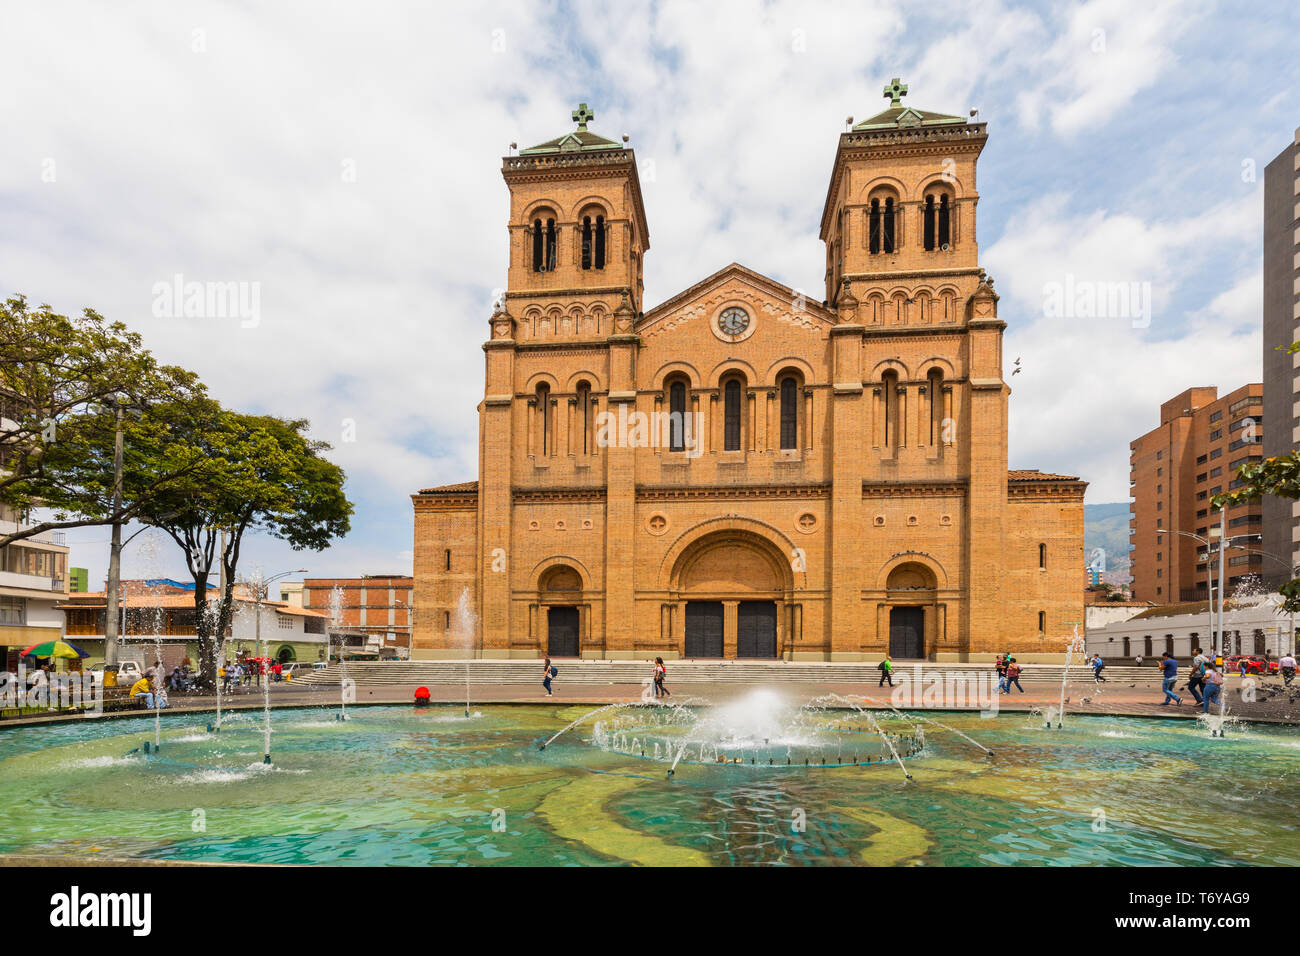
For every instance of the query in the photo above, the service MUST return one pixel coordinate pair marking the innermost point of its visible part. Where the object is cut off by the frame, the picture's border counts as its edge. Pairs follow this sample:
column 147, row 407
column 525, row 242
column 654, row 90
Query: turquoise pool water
column 397, row 785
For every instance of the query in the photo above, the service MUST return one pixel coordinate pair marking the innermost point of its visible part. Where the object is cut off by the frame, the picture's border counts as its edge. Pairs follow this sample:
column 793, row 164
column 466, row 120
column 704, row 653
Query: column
column 730, row 627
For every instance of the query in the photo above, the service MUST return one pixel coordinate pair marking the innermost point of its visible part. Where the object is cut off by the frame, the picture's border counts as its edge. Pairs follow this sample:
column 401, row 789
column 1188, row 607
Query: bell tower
column 902, row 196
column 577, row 222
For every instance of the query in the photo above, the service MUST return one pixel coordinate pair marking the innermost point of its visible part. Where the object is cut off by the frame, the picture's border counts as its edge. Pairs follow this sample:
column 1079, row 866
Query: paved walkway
column 1142, row 698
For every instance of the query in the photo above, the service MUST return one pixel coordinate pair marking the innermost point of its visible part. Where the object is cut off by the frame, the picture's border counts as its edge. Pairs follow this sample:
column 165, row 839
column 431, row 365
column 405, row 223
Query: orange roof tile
column 459, row 488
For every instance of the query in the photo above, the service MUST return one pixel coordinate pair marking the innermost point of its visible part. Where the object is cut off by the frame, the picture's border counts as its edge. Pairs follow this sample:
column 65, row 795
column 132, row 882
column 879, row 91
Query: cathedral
column 742, row 471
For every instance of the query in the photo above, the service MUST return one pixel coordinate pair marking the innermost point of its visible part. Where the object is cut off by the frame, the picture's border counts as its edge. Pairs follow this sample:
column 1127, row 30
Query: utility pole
column 115, row 549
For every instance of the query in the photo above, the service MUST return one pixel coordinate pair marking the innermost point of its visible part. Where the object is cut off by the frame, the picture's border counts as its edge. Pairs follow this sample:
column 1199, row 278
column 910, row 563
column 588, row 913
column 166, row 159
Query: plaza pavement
column 1139, row 697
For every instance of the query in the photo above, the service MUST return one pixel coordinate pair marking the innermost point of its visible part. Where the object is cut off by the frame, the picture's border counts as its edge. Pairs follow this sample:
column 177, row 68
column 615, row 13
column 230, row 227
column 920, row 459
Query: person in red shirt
column 1013, row 675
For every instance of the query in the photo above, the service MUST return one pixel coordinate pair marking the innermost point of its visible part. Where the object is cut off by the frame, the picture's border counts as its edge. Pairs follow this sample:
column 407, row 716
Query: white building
column 1253, row 627
column 33, row 583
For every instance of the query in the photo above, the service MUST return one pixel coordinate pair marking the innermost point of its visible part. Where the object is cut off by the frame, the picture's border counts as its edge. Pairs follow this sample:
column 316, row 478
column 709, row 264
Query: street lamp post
column 1209, row 578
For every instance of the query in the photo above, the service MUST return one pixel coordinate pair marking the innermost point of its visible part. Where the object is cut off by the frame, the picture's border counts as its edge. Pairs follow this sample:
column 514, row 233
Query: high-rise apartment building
column 1174, row 472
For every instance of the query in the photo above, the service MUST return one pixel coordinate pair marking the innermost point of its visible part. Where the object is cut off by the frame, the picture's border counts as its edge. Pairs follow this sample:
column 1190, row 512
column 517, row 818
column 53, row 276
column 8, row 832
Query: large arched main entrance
column 733, row 586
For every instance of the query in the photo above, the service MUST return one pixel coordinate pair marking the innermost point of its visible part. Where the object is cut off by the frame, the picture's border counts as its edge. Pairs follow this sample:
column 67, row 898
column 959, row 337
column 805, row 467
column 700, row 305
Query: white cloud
column 1101, row 56
column 226, row 164
column 1089, row 386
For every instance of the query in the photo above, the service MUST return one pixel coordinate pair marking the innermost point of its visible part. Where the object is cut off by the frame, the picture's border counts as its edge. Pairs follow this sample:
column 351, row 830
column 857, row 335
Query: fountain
column 464, row 627
column 212, row 611
column 760, row 729
column 336, row 620
column 1076, row 643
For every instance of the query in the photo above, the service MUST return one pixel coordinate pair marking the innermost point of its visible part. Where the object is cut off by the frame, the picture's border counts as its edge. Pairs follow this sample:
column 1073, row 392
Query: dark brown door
column 703, row 628
column 907, row 632
column 562, row 628
column 756, row 629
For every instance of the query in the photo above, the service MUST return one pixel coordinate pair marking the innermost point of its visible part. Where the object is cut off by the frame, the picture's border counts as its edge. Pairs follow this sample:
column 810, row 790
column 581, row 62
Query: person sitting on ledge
column 144, row 687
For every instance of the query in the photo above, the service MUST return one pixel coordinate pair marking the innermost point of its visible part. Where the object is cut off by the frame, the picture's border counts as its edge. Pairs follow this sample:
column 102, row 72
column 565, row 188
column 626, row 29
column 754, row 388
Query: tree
column 1279, row 475
column 258, row 473
column 58, row 379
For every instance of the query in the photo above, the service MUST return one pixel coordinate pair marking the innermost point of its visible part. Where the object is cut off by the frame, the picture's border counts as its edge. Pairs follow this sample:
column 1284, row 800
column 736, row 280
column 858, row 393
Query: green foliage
column 1280, row 476
column 256, row 473
column 58, row 379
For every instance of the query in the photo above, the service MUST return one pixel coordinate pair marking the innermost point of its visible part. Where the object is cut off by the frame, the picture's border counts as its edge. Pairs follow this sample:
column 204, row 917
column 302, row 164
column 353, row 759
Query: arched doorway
column 734, row 585
column 286, row 654
column 560, row 596
column 911, row 590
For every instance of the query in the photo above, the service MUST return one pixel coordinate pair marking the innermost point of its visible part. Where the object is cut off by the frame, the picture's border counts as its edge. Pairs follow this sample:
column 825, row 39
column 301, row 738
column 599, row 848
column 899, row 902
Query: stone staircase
column 523, row 672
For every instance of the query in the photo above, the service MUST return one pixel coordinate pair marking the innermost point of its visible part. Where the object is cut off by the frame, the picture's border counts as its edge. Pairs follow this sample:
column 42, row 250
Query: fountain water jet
column 336, row 620
column 1076, row 643
column 465, row 625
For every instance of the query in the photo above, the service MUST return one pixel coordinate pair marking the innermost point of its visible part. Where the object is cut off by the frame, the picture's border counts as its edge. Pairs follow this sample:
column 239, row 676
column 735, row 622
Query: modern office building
column 1281, row 369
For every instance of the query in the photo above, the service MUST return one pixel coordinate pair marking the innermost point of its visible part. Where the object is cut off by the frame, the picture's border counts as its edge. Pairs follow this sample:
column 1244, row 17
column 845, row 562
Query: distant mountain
column 1106, row 526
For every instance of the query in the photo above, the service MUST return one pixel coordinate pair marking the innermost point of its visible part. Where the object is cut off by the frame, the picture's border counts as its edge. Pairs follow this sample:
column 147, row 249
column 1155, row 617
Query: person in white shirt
column 1287, row 666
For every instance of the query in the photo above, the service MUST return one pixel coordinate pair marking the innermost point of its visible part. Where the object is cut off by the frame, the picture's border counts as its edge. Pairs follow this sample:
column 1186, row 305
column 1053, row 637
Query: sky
column 341, row 163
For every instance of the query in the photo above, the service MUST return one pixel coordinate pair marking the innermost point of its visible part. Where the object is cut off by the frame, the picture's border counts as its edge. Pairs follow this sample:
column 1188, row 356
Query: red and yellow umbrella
column 57, row 648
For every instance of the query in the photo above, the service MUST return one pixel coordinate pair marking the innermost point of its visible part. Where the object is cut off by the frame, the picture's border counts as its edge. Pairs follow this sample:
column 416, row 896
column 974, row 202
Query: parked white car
column 128, row 672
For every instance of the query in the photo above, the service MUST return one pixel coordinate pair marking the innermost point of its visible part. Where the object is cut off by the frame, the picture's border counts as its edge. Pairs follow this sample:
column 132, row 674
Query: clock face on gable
column 733, row 321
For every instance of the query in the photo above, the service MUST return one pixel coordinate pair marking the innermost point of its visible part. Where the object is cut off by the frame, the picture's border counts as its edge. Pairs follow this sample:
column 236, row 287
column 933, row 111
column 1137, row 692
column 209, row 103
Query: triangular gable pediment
column 767, row 296
column 909, row 117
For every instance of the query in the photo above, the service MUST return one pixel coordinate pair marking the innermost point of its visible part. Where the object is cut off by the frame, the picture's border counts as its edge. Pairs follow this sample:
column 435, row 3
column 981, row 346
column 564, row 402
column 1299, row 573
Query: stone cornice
column 730, row 492
column 901, row 489
column 542, row 495
column 1047, row 489
column 461, row 501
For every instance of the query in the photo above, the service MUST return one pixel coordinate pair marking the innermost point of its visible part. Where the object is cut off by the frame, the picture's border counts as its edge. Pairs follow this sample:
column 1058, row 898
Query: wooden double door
column 755, row 629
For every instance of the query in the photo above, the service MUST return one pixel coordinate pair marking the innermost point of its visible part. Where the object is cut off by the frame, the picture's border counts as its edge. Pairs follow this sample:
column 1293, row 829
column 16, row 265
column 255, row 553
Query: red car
column 1254, row 665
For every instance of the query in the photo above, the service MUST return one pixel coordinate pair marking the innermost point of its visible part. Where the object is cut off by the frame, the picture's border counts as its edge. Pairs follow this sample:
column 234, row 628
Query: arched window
column 731, row 415
column 1042, row 622
column 677, row 416
column 889, row 388
column 887, row 227
column 600, row 242
column 544, row 418
column 539, row 259
column 935, row 378
column 873, row 230
column 584, row 415
column 937, row 231
column 789, row 412
column 1042, row 557
column 550, row 245
column 586, row 242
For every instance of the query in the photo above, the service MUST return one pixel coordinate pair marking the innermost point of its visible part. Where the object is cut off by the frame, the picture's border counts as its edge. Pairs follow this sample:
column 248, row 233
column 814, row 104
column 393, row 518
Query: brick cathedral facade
column 741, row 471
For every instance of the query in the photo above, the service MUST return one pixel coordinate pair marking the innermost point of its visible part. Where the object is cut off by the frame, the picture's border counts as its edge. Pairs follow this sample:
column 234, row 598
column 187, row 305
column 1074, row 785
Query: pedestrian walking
column 1286, row 663
column 1169, row 667
column 1000, row 665
column 1098, row 665
column 886, row 668
column 1196, row 683
column 549, row 675
column 661, row 672
column 1013, row 675
column 1213, row 688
